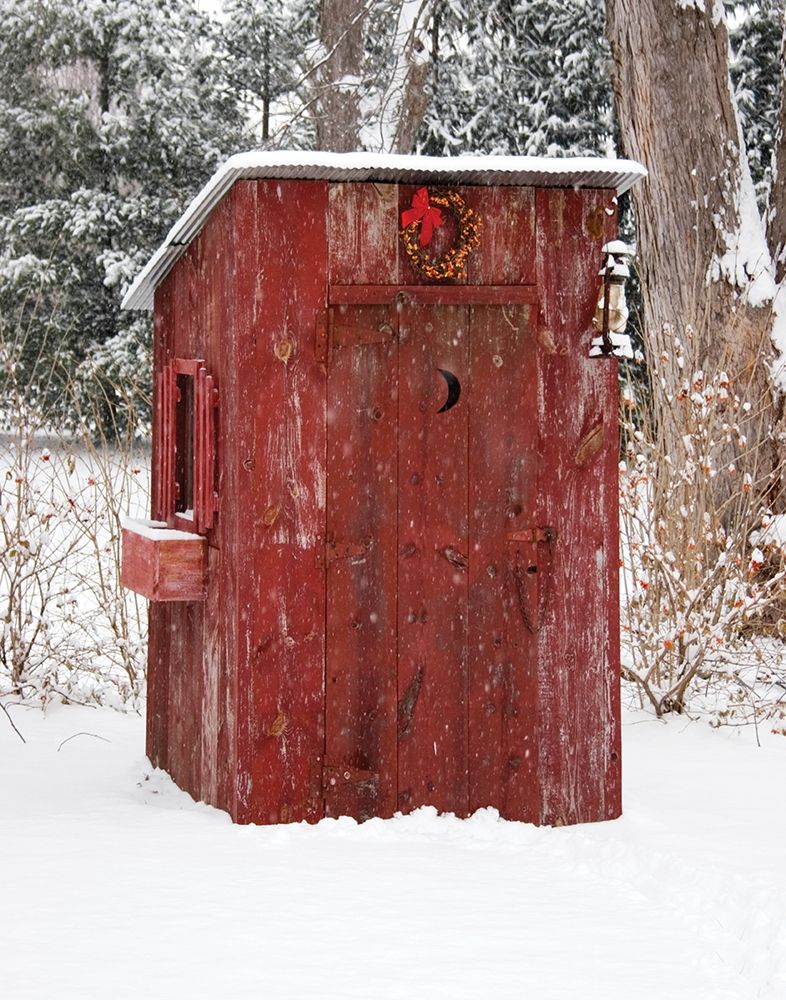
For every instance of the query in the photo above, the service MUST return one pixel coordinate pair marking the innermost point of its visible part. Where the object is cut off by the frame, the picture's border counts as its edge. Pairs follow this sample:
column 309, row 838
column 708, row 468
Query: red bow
column 428, row 216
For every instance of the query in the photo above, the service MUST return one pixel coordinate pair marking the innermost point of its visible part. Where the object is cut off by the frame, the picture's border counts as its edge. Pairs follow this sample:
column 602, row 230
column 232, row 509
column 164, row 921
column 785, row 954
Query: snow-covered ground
column 116, row 885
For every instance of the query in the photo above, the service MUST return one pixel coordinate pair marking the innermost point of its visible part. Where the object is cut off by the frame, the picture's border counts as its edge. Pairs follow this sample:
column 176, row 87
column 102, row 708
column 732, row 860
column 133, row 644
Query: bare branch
column 95, row 736
column 11, row 721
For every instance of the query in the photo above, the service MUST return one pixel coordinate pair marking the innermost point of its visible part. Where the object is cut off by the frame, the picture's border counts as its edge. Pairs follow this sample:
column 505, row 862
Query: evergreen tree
column 519, row 76
column 264, row 44
column 112, row 113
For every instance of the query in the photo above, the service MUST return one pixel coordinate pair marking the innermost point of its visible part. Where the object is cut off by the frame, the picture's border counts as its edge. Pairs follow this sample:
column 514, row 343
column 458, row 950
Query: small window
column 184, row 445
column 185, row 474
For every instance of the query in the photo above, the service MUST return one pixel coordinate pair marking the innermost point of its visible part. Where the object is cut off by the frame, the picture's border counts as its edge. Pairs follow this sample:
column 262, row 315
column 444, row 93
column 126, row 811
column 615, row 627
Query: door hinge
column 343, row 550
column 321, row 337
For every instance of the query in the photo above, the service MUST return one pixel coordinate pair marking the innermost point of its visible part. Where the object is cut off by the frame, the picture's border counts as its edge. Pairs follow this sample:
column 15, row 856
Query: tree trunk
column 702, row 255
column 340, row 76
column 266, row 94
column 408, row 84
column 776, row 229
column 702, row 251
column 393, row 108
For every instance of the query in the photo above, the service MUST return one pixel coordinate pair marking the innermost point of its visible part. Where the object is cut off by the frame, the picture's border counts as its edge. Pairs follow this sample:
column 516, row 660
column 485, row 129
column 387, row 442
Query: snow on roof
column 535, row 171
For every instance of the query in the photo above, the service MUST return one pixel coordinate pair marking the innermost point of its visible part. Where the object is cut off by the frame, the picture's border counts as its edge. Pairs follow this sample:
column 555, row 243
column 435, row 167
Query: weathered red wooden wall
column 279, row 440
column 192, row 682
column 385, row 602
column 578, row 645
column 362, row 500
column 503, row 585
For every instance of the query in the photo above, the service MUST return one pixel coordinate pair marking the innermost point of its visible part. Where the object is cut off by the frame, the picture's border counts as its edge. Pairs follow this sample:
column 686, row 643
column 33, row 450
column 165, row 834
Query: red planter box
column 162, row 564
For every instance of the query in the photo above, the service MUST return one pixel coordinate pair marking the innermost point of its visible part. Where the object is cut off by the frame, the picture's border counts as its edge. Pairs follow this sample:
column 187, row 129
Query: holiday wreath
column 423, row 217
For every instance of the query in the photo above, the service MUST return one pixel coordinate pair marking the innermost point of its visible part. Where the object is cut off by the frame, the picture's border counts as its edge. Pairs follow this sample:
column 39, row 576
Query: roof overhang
column 522, row 171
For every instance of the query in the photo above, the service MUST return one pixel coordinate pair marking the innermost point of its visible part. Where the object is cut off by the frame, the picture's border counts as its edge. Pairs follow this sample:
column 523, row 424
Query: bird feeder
column 383, row 561
column 611, row 313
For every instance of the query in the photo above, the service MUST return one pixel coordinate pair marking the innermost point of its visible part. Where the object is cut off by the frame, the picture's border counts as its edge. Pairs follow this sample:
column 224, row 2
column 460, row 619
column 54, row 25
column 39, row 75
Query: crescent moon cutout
column 454, row 390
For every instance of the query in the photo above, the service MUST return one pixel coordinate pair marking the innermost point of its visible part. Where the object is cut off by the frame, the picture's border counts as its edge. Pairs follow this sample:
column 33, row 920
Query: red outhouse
column 383, row 561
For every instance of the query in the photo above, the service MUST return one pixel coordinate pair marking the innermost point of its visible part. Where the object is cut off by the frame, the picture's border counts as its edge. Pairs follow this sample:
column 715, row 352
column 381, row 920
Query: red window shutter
column 164, row 442
column 205, row 495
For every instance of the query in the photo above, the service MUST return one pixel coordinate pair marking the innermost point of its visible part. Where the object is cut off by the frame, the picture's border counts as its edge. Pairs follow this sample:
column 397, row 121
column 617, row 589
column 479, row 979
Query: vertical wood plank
column 578, row 642
column 506, row 253
column 221, row 637
column 157, row 738
column 157, row 741
column 362, row 481
column 280, row 290
column 363, row 238
column 177, row 709
column 194, row 663
column 433, row 556
column 364, row 225
column 503, row 449
column 245, row 598
column 217, row 710
column 184, row 732
column 186, row 619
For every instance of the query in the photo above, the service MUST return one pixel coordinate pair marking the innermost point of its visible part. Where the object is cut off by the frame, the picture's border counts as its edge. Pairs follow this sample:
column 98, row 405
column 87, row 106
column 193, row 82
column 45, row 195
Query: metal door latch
column 334, row 778
column 533, row 535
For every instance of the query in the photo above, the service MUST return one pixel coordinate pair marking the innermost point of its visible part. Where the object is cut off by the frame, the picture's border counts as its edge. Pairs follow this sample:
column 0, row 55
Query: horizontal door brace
column 436, row 295
column 334, row 777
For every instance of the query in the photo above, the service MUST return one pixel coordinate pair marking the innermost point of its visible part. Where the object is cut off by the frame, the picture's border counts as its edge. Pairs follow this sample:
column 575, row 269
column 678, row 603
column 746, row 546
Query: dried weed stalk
column 703, row 568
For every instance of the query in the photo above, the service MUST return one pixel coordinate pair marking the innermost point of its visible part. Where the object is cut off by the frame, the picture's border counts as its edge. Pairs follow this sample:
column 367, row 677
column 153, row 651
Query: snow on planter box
column 406, row 492
column 163, row 564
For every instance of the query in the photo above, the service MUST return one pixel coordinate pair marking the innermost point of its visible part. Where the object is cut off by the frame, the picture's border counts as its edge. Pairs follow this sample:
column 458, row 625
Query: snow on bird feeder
column 611, row 312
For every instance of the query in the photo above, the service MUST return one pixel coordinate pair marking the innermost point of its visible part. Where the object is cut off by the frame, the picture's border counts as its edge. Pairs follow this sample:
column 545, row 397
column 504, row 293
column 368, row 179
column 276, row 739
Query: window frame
column 169, row 419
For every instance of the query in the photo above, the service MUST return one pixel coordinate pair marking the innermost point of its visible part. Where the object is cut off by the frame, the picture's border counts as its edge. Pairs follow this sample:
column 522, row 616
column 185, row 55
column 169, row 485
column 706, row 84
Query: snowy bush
column 111, row 116
column 703, row 579
column 67, row 628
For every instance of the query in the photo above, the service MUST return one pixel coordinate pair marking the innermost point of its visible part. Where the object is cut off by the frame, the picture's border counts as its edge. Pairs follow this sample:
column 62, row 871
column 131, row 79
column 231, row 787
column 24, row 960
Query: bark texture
column 776, row 229
column 677, row 116
column 339, row 78
column 412, row 70
column 381, row 111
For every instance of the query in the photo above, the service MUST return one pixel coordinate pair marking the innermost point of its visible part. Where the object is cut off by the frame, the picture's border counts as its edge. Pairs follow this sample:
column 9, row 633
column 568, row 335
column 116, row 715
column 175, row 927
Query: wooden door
column 432, row 559
column 359, row 773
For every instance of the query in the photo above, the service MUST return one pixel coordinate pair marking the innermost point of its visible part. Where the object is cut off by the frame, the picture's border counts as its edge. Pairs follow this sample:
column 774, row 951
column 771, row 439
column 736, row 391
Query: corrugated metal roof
column 525, row 171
